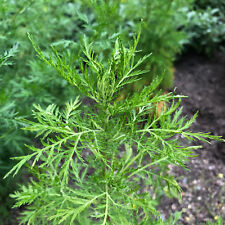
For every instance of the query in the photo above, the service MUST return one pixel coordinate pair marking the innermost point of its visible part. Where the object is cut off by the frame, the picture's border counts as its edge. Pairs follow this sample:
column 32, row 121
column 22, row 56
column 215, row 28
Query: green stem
column 106, row 206
column 148, row 165
column 130, row 162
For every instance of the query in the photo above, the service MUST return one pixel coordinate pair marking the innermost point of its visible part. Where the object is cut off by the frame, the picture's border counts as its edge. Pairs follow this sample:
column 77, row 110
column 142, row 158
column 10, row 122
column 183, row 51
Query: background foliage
column 206, row 26
column 161, row 24
column 26, row 80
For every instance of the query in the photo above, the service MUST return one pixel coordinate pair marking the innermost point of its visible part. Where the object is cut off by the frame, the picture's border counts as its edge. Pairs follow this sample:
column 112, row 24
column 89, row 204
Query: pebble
column 184, row 180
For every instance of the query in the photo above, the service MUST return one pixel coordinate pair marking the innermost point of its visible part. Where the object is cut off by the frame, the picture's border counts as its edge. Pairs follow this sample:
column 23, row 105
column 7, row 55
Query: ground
column 203, row 80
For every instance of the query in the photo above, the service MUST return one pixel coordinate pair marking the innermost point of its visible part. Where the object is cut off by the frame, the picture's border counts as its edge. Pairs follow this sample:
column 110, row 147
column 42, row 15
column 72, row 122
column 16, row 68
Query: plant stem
column 148, row 165
column 130, row 162
column 106, row 205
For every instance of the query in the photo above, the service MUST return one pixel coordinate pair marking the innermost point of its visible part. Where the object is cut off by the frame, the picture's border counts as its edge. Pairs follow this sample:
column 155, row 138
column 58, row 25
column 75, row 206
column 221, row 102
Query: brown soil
column 203, row 198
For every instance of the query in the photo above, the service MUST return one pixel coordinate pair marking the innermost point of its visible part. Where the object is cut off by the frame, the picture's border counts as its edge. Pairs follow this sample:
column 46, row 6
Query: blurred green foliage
column 204, row 4
column 26, row 80
column 218, row 221
column 206, row 26
column 160, row 21
column 7, row 127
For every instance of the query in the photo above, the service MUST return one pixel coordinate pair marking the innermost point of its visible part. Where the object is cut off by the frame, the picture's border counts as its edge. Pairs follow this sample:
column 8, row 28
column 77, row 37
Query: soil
column 203, row 81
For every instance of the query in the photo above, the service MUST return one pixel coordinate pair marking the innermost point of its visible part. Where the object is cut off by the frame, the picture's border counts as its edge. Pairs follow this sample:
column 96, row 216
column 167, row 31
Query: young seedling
column 103, row 163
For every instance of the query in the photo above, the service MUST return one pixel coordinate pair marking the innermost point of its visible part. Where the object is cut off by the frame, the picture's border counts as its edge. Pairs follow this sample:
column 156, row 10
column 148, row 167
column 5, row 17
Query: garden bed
column 203, row 81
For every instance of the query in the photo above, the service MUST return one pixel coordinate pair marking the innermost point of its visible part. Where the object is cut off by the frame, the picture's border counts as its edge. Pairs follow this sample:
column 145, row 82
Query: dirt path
column 203, row 80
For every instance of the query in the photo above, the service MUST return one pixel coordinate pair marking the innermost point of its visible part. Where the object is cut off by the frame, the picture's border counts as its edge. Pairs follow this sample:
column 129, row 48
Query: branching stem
column 148, row 165
column 106, row 205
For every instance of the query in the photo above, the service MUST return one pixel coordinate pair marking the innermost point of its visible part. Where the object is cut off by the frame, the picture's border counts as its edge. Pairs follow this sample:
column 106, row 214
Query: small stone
column 194, row 182
column 185, row 180
column 212, row 167
column 223, row 210
column 173, row 206
column 154, row 196
column 163, row 217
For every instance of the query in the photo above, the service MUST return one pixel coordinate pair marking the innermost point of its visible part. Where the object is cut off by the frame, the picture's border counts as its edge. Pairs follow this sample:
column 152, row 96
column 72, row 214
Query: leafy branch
column 101, row 164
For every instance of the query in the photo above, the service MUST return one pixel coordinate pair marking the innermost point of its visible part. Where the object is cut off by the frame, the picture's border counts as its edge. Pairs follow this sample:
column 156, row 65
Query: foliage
column 30, row 79
column 27, row 80
column 8, row 127
column 206, row 26
column 8, row 123
column 161, row 33
column 56, row 22
column 161, row 24
column 204, row 4
column 219, row 221
column 102, row 164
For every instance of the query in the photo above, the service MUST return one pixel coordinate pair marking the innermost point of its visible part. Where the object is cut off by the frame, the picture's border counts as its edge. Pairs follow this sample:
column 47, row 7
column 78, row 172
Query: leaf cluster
column 9, row 135
column 206, row 26
column 162, row 26
column 23, row 79
column 102, row 164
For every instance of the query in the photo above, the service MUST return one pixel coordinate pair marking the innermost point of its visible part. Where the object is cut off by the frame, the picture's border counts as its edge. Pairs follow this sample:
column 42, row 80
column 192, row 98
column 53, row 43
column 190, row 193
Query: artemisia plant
column 103, row 163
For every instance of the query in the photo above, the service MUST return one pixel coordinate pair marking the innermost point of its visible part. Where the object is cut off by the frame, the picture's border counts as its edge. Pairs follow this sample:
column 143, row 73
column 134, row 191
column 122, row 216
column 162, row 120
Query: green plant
column 101, row 164
column 204, row 4
column 161, row 22
column 206, row 26
column 219, row 221
column 8, row 124
column 8, row 127
column 27, row 80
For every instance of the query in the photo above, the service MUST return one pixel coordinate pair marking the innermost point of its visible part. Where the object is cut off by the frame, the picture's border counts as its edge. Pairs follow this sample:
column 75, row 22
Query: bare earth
column 203, row 80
